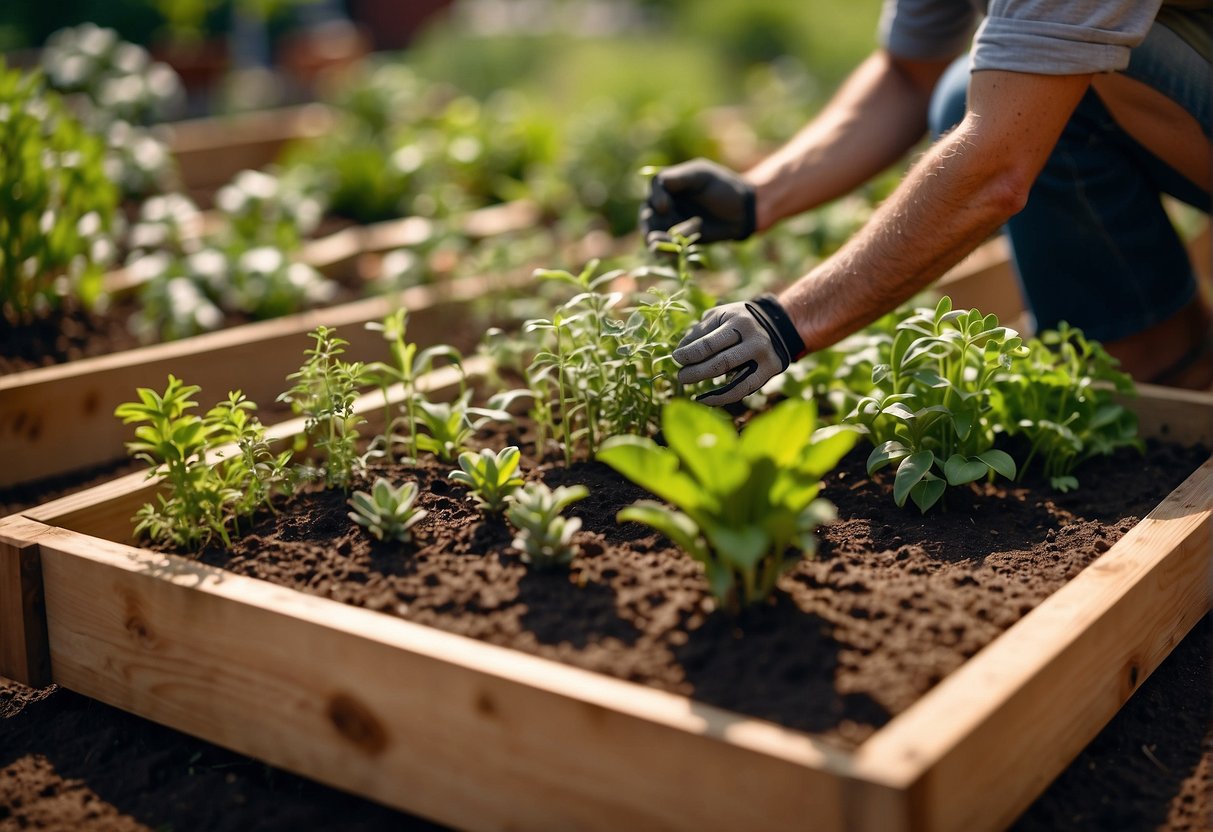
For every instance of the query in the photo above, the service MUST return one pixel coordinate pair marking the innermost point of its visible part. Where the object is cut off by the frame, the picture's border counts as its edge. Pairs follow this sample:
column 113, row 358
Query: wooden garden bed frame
column 211, row 150
column 482, row 737
column 59, row 420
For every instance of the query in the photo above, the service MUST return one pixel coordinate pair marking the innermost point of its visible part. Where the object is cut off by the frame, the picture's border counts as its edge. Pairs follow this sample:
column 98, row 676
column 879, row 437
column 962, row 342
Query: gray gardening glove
column 751, row 342
column 701, row 197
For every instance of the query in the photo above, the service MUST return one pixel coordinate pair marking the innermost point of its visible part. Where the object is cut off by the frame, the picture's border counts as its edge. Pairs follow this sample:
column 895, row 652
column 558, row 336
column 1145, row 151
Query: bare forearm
column 963, row 189
column 876, row 117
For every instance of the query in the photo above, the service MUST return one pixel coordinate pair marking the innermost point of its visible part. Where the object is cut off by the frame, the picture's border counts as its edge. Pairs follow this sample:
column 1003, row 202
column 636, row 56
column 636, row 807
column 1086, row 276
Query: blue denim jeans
column 1093, row 246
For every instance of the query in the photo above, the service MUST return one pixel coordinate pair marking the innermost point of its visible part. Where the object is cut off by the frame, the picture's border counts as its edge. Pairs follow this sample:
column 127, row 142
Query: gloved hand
column 749, row 341
column 699, row 196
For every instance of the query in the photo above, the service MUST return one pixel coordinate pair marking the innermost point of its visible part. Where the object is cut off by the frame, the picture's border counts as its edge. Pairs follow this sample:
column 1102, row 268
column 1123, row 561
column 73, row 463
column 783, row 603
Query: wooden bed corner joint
column 24, row 646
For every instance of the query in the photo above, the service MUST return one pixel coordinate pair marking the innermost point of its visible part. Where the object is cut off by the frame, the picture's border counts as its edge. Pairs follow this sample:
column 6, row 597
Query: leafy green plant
column 407, row 365
column 449, row 426
column 204, row 501
column 324, row 393
column 388, row 512
column 544, row 535
column 599, row 368
column 746, row 506
column 930, row 413
column 491, row 477
column 56, row 202
column 1059, row 397
column 118, row 78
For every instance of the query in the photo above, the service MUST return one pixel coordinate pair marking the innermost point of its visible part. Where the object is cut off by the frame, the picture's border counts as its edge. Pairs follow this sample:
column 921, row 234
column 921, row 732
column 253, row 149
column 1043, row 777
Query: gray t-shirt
column 1047, row 37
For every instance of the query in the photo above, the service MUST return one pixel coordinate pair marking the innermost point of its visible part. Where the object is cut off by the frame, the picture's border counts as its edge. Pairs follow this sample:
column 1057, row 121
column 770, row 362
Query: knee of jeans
column 949, row 99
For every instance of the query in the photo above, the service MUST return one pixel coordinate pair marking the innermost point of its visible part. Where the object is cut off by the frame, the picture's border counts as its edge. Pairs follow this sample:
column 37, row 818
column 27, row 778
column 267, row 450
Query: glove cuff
column 779, row 326
column 749, row 202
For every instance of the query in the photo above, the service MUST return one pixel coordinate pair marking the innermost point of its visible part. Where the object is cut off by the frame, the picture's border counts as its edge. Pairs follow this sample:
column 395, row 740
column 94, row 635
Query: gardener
column 1079, row 116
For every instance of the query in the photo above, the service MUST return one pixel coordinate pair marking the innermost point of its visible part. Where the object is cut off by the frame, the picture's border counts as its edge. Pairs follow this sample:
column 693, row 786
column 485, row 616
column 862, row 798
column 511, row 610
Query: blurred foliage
column 56, row 202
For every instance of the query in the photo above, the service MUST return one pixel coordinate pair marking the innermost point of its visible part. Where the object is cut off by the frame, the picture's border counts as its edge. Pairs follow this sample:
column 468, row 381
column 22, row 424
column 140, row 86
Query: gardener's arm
column 873, row 120
column 870, row 123
column 966, row 186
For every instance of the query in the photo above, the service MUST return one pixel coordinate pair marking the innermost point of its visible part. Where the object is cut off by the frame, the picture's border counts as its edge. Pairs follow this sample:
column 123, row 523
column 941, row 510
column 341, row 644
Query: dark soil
column 894, row 602
column 68, row 335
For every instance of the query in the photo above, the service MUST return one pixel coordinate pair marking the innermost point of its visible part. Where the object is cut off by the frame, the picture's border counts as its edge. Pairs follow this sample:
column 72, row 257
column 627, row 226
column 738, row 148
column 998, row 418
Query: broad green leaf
column 706, row 444
column 740, row 547
column 960, row 469
column 675, row 525
column 927, row 493
column 645, row 463
column 911, row 471
column 1000, row 461
column 780, row 433
column 886, row 453
column 828, row 445
column 962, row 421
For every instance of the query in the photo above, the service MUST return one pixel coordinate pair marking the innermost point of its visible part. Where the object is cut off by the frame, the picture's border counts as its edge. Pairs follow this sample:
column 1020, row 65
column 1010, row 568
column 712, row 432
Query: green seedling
column 407, row 365
column 204, row 501
column 545, row 536
column 745, row 507
column 324, row 393
column 491, row 477
column 929, row 412
column 1059, row 397
column 388, row 512
column 449, row 426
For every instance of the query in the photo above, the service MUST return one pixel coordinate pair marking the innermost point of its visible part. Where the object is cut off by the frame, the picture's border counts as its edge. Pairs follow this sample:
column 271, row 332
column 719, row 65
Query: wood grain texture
column 24, row 651
column 57, row 420
column 462, row 732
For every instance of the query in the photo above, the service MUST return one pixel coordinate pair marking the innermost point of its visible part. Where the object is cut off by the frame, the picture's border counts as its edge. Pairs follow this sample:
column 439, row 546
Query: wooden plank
column 462, row 732
column 210, row 151
column 1012, row 717
column 1171, row 413
column 24, row 652
column 59, row 419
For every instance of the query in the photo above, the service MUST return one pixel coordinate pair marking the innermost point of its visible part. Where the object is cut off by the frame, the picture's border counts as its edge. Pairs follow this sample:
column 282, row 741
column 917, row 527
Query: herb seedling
column 1059, row 397
column 746, row 507
column 204, row 501
column 929, row 411
column 388, row 512
column 408, row 364
column 449, row 426
column 324, row 393
column 544, row 535
column 491, row 477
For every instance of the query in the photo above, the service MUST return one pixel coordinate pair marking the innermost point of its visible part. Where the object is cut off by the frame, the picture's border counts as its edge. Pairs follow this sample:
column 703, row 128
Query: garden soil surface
column 892, row 604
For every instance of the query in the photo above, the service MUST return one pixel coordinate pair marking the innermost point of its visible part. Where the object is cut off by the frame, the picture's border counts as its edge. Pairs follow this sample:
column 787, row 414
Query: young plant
column 491, row 477
column 56, row 202
column 929, row 412
column 388, row 512
column 449, row 426
column 407, row 365
column 544, row 535
column 203, row 501
column 746, row 507
column 324, row 393
column 600, row 368
column 1059, row 397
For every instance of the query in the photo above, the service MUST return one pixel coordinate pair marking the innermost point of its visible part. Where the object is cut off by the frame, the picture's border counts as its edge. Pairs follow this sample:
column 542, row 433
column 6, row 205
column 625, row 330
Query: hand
column 754, row 341
column 698, row 197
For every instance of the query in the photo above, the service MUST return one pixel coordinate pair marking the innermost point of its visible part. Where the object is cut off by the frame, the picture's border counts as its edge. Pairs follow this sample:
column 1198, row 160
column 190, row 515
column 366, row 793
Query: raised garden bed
column 477, row 736
column 58, row 420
